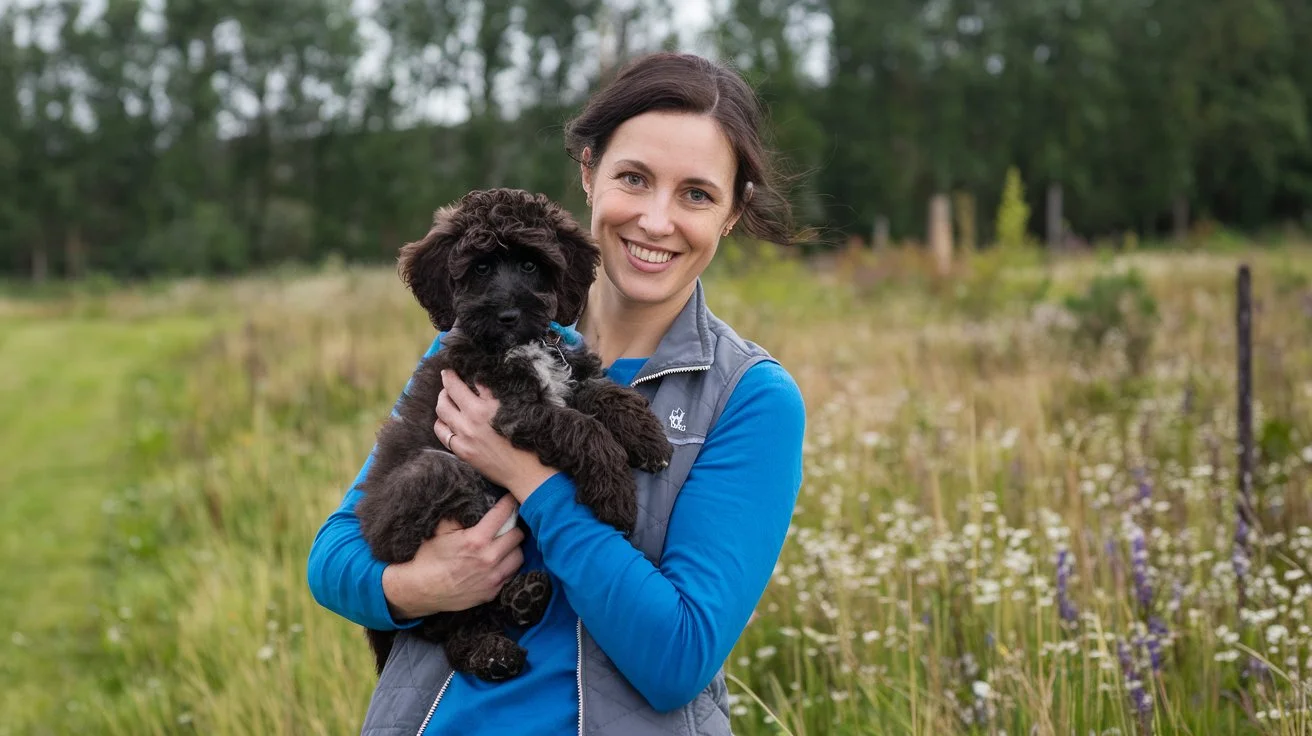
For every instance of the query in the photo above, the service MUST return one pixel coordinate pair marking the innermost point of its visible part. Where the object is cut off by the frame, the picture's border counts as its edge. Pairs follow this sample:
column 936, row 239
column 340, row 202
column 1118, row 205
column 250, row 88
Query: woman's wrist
column 398, row 590
column 529, row 480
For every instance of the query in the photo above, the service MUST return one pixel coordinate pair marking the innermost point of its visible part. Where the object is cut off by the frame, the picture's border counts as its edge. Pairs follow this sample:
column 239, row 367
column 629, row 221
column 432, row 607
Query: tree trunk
column 40, row 263
column 963, row 206
column 940, row 233
column 75, row 253
column 1055, row 226
column 1180, row 217
column 881, row 233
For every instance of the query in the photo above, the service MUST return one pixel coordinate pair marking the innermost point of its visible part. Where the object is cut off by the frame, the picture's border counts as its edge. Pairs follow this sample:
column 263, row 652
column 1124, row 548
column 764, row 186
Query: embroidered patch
column 676, row 420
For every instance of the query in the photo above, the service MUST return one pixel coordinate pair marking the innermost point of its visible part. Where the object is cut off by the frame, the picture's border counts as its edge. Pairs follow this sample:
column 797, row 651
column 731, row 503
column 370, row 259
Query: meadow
column 1018, row 516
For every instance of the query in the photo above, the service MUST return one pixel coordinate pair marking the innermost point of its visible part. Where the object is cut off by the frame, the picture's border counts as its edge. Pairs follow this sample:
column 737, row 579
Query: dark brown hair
column 686, row 83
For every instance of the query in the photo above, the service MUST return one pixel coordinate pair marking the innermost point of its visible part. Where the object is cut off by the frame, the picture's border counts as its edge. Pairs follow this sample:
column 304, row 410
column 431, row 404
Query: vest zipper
column 578, row 670
column 668, row 371
column 578, row 628
column 436, row 700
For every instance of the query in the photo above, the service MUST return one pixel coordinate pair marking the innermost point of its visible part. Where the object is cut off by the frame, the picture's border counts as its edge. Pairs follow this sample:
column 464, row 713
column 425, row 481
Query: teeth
column 649, row 256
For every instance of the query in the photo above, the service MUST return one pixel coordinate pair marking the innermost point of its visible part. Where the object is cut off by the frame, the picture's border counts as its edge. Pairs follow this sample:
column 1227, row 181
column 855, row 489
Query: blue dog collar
column 568, row 334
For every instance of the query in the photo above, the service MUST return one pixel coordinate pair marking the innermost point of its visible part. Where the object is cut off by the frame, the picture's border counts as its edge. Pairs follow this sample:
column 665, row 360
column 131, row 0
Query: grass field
column 1002, row 529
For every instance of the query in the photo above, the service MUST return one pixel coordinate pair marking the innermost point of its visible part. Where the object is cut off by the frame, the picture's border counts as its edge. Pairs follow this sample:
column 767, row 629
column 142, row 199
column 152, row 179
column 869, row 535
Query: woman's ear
column 585, row 173
column 425, row 267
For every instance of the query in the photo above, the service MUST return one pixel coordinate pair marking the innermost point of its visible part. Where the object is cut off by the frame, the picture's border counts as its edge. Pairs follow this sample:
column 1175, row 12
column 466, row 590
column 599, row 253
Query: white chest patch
column 552, row 374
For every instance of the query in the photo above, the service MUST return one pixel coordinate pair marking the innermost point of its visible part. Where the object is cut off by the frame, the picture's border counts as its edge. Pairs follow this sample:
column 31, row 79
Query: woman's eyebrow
column 645, row 170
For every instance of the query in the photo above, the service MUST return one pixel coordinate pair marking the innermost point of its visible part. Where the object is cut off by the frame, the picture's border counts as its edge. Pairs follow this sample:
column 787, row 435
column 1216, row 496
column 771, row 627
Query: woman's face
column 662, row 194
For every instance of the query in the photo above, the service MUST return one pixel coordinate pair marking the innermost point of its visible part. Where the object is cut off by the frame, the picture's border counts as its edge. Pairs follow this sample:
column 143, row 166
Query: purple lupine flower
column 1157, row 631
column 1145, row 487
column 1134, row 684
column 1256, row 669
column 1066, row 609
column 1139, row 559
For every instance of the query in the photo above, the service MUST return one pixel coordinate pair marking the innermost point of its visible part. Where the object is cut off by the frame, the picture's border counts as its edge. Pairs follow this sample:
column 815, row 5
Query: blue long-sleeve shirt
column 667, row 628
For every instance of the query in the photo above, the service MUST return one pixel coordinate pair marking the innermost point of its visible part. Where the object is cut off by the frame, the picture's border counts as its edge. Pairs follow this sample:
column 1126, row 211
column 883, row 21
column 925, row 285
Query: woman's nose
column 655, row 220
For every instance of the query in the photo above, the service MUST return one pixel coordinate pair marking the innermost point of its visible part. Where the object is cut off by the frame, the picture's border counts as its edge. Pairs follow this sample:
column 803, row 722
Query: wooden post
column 940, row 233
column 1244, row 322
column 963, row 206
column 881, row 233
column 1180, row 218
column 1054, row 213
column 1244, row 503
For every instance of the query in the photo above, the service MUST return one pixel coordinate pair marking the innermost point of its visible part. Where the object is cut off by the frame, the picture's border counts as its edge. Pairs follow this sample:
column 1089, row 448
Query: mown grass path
column 61, row 441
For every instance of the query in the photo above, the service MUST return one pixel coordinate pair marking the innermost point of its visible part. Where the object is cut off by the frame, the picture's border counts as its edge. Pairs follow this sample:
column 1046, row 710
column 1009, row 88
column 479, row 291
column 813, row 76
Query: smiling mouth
column 645, row 255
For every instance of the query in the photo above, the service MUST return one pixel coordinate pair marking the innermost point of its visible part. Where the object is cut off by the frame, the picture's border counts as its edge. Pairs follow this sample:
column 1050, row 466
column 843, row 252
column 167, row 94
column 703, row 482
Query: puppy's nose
column 508, row 316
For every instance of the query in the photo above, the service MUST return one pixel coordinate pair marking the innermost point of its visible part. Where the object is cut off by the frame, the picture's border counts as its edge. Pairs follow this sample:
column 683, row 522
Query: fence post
column 1244, row 503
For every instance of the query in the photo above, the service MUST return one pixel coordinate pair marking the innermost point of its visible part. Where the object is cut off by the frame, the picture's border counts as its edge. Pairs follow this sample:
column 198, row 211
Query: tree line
column 189, row 136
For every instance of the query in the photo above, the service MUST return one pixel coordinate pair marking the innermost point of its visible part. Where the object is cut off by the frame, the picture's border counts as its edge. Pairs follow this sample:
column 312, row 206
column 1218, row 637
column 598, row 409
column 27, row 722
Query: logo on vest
column 676, row 420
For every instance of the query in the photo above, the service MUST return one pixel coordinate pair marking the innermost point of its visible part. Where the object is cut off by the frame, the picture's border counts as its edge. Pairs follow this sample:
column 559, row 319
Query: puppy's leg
column 524, row 598
column 580, row 446
column 628, row 416
column 482, row 649
column 401, row 510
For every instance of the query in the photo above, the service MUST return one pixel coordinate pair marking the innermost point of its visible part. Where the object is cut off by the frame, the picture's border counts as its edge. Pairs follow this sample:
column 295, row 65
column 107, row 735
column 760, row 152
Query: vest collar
column 688, row 344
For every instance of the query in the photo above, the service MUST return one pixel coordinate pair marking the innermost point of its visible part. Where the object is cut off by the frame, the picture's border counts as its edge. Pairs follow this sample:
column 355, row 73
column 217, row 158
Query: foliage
column 1013, row 213
column 120, row 120
column 1119, row 308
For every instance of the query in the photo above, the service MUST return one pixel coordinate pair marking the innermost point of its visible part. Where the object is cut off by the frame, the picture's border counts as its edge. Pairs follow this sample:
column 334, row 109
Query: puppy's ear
column 582, row 257
column 425, row 267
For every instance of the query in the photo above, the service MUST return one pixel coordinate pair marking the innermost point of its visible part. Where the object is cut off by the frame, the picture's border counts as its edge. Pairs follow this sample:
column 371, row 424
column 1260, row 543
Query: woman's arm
column 668, row 629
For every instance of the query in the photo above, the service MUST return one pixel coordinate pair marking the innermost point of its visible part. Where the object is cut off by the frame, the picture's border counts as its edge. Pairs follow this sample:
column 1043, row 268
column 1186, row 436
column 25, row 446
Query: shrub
column 1013, row 212
column 1116, row 306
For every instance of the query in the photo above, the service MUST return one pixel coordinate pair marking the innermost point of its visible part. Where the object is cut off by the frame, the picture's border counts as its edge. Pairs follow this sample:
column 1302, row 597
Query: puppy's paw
column 653, row 454
column 497, row 658
column 525, row 597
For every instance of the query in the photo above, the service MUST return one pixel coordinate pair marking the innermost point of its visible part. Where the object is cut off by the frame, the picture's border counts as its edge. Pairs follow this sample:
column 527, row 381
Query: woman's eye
column 483, row 269
column 528, row 266
column 699, row 196
column 633, row 180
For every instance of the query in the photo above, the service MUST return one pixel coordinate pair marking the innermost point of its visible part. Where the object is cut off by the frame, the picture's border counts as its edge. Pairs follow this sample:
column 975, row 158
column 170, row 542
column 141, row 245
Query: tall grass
column 996, row 533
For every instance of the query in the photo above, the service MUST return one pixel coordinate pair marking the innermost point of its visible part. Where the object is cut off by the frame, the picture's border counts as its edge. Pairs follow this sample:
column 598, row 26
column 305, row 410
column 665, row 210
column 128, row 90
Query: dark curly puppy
column 497, row 268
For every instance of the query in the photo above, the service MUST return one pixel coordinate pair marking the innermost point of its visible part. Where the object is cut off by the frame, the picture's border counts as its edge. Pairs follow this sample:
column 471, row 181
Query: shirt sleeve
column 668, row 629
column 342, row 572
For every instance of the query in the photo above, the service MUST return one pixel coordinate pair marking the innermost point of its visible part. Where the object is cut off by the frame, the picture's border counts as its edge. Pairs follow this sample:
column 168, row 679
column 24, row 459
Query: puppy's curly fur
column 494, row 271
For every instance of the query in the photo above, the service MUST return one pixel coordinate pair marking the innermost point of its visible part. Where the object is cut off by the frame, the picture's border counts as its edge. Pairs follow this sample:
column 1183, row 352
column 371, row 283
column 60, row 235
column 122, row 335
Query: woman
column 634, row 639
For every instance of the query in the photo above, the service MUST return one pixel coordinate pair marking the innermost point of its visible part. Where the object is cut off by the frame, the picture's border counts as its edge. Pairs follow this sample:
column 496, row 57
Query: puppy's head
column 503, row 263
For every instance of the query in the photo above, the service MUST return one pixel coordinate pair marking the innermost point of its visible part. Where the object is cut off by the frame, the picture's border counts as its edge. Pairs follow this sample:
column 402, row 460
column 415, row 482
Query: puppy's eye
column 528, row 266
column 483, row 269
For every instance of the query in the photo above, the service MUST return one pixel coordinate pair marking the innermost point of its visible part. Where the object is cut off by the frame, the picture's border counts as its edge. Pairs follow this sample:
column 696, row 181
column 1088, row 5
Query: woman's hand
column 464, row 426
column 456, row 568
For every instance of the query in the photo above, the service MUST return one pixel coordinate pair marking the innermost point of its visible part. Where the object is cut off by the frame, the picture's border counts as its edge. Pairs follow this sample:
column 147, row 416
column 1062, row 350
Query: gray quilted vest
column 688, row 380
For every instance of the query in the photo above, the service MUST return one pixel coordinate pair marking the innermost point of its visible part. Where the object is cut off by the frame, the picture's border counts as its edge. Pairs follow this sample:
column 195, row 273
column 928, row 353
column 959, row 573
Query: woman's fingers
column 456, row 388
column 508, row 566
column 496, row 517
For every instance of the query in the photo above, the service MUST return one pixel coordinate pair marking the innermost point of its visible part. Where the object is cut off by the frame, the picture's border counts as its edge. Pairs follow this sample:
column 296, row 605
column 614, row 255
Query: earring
column 726, row 232
column 589, row 199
